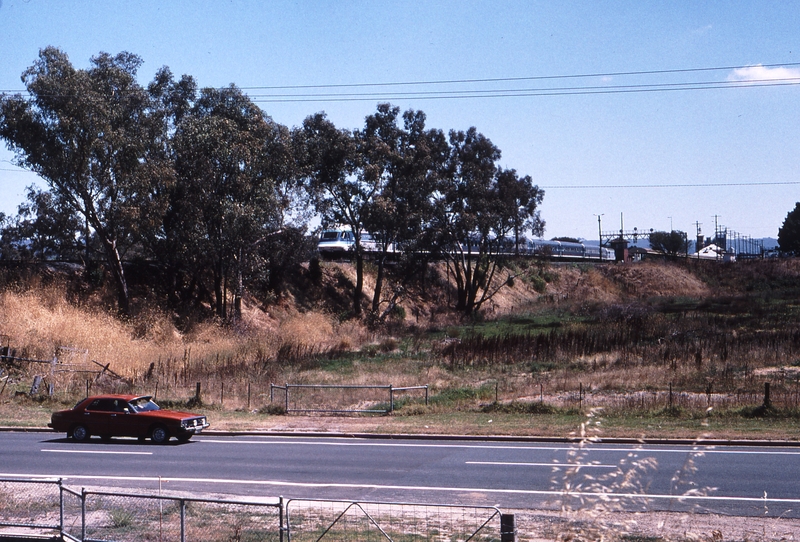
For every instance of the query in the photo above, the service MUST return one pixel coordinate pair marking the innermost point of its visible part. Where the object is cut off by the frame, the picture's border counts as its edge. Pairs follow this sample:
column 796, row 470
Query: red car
column 126, row 416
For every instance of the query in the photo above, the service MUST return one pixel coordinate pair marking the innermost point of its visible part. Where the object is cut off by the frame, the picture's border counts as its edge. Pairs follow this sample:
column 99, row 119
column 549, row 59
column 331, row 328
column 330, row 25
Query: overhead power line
column 526, row 92
column 271, row 94
column 601, row 186
column 529, row 78
column 677, row 185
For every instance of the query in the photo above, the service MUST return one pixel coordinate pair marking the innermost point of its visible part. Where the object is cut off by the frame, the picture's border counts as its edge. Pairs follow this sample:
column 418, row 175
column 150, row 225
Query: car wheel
column 80, row 433
column 160, row 435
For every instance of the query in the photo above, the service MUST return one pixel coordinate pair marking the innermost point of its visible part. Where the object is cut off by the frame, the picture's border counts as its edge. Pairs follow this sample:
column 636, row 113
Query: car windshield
column 143, row 404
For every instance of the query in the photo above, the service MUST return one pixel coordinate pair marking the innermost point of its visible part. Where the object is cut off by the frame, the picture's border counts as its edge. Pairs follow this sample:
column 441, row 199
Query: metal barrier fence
column 353, row 399
column 313, row 520
column 124, row 517
column 30, row 505
column 46, row 507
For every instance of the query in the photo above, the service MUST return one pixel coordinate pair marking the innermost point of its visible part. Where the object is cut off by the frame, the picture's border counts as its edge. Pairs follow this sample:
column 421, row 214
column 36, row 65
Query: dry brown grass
column 39, row 322
column 235, row 364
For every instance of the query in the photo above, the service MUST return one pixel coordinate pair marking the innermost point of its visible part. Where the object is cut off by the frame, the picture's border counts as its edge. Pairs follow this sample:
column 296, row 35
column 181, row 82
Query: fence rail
column 309, row 519
column 377, row 405
column 46, row 507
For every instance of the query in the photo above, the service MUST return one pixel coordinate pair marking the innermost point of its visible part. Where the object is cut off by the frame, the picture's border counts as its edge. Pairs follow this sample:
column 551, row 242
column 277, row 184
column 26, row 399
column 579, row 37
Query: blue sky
column 660, row 158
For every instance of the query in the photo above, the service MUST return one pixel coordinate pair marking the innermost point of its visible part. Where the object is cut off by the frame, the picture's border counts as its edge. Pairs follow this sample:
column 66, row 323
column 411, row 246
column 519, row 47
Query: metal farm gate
column 318, row 520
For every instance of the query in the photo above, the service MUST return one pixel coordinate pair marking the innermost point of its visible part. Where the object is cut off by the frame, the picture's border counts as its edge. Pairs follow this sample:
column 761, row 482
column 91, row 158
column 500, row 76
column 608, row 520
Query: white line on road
column 96, row 452
column 511, row 463
column 318, row 485
column 699, row 448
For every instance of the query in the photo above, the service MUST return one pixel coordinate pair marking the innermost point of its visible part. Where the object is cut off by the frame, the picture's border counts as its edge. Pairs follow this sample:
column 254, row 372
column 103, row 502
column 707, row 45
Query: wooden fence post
column 670, row 395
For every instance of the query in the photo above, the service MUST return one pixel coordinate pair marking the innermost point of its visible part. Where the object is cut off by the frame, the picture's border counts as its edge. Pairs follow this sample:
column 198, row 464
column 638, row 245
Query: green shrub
column 273, row 409
column 521, row 407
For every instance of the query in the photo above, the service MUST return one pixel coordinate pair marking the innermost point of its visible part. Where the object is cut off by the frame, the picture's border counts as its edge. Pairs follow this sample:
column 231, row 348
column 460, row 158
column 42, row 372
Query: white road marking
column 510, row 463
column 544, row 493
column 698, row 448
column 96, row 452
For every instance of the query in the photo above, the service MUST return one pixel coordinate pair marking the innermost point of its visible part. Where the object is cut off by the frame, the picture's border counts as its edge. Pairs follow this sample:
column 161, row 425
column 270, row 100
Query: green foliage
column 767, row 412
column 789, row 232
column 121, row 518
column 398, row 313
column 542, row 367
column 452, row 396
column 273, row 409
column 219, row 196
column 86, row 133
column 538, row 283
column 521, row 407
column 673, row 243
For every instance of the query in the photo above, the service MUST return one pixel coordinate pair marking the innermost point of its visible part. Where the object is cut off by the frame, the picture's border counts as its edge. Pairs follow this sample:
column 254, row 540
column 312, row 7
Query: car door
column 131, row 423
column 97, row 417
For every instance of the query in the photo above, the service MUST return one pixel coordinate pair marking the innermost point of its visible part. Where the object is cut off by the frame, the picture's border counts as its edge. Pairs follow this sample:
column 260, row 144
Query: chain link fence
column 124, row 517
column 48, row 508
column 30, row 505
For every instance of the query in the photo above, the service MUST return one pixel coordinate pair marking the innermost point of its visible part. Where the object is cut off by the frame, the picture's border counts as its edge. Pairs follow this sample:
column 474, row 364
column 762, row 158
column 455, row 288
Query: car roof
column 124, row 397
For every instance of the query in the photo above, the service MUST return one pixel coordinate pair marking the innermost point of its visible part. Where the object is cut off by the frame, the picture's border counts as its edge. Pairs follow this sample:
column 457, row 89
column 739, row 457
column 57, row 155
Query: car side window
column 102, row 405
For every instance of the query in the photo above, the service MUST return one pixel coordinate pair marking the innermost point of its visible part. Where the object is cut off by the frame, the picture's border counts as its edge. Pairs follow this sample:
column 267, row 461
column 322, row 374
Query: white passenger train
column 339, row 242
column 565, row 250
column 335, row 243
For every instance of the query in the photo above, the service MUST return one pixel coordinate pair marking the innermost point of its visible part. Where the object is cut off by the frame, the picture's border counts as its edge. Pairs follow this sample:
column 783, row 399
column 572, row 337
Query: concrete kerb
column 474, row 438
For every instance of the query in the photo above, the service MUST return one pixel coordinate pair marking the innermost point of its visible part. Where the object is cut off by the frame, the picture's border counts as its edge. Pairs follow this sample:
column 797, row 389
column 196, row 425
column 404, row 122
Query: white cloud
column 760, row 73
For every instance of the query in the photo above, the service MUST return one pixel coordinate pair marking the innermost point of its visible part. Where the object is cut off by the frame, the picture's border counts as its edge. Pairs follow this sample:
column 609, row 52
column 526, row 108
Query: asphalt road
column 730, row 480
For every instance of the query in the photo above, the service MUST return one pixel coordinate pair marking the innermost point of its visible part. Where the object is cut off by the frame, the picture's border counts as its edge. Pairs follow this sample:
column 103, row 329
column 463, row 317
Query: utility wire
column 498, row 93
column 677, row 185
column 530, row 78
column 513, row 93
column 601, row 186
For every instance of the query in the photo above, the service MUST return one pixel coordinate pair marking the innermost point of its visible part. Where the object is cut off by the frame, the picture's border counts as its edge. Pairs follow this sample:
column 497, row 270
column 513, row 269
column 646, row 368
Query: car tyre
column 159, row 435
column 80, row 433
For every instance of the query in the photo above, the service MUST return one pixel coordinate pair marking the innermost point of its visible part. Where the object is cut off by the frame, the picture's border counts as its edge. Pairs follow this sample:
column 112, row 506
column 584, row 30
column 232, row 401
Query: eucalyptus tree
column 161, row 219
column 477, row 205
column 789, row 232
column 404, row 163
column 45, row 229
column 519, row 200
column 82, row 131
column 227, row 196
column 672, row 243
column 342, row 191
column 287, row 245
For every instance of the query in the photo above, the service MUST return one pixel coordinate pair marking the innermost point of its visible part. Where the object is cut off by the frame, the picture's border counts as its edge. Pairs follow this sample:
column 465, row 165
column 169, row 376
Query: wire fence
column 311, row 520
column 30, row 505
column 345, row 399
column 46, row 507
column 124, row 517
